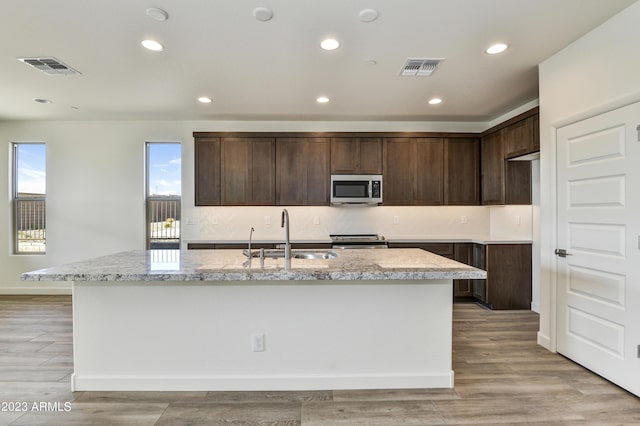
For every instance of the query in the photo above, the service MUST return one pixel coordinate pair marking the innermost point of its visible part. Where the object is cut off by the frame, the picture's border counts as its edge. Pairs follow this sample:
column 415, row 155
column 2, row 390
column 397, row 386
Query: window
column 164, row 183
column 29, row 195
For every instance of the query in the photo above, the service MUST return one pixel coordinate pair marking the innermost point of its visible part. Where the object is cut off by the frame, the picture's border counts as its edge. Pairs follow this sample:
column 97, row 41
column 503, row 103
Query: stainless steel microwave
column 356, row 189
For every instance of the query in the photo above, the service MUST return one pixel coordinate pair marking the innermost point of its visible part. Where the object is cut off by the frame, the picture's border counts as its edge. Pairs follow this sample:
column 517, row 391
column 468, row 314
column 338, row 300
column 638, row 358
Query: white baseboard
column 544, row 341
column 535, row 307
column 43, row 291
column 257, row 382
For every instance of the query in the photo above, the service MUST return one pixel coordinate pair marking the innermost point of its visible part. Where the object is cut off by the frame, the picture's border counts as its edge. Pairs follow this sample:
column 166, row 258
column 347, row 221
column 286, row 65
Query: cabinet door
column 509, row 276
column 318, row 173
column 518, row 182
column 429, row 171
column 492, row 169
column 536, row 133
column 291, row 176
column 207, row 171
column 302, row 171
column 399, row 171
column 370, row 156
column 479, row 261
column 519, row 138
column 461, row 172
column 344, row 155
column 247, row 171
column 463, row 252
column 356, row 155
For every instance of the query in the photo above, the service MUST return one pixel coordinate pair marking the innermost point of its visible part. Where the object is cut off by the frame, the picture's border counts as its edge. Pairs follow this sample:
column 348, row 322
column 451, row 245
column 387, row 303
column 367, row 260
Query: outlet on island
column 257, row 342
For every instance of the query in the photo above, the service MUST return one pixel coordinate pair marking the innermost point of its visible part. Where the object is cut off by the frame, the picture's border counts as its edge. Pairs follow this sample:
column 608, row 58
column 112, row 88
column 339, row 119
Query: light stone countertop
column 231, row 265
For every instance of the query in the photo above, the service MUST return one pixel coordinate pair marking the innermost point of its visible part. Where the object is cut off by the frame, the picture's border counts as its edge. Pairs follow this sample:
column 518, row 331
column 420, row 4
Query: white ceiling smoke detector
column 50, row 66
column 420, row 67
column 157, row 14
column 262, row 14
column 368, row 15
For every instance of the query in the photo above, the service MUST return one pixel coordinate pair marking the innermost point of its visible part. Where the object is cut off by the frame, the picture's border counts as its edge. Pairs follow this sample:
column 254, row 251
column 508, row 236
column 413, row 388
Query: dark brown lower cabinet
column 463, row 289
column 508, row 283
column 508, row 266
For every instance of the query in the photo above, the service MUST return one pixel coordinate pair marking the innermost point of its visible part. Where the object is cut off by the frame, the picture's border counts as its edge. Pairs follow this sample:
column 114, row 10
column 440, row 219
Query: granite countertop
column 232, row 265
column 477, row 239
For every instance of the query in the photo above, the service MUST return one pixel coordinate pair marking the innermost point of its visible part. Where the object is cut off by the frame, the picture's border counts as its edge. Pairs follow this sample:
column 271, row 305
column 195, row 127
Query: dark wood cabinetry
column 247, row 171
column 353, row 155
column 463, row 252
column 461, row 171
column 522, row 137
column 207, row 170
column 508, row 284
column 414, row 171
column 508, row 266
column 492, row 169
column 302, row 171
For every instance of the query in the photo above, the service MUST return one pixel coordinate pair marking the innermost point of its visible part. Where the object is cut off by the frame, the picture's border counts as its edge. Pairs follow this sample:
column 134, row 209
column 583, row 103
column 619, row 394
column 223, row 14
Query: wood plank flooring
column 502, row 377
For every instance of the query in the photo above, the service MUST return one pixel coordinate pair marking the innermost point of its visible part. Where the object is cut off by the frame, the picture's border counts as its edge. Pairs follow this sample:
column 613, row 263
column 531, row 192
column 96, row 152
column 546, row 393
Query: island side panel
column 318, row 335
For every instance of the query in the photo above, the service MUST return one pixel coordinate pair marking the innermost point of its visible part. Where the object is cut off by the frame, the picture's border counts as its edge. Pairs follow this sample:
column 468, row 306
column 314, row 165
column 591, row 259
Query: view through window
column 164, row 184
column 29, row 195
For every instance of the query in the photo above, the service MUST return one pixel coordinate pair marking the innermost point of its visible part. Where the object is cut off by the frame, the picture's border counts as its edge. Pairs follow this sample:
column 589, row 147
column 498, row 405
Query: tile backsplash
column 317, row 223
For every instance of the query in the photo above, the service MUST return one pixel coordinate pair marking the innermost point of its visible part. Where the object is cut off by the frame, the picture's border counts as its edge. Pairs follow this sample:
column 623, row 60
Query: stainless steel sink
column 295, row 254
column 314, row 254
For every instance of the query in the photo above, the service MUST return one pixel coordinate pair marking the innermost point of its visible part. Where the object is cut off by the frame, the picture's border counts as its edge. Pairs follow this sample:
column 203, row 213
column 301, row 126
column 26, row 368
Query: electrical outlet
column 316, row 220
column 396, row 220
column 518, row 220
column 464, row 219
column 257, row 342
column 214, row 220
column 189, row 221
column 267, row 220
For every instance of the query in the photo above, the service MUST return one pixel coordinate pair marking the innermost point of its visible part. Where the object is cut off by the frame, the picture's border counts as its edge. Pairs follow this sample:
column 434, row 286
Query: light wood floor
column 502, row 377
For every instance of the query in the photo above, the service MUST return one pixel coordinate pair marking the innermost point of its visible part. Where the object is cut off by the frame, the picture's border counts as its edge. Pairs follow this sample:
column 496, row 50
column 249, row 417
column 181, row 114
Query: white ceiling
column 275, row 70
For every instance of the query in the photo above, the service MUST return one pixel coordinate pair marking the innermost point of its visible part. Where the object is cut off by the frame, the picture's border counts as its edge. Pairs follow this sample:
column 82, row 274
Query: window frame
column 17, row 200
column 148, row 198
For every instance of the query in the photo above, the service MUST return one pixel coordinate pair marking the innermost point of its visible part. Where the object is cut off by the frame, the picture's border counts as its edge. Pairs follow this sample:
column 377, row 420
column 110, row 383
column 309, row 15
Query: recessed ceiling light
column 330, row 44
column 41, row 101
column 204, row 100
column 152, row 45
column 322, row 100
column 368, row 15
column 497, row 48
column 435, row 101
column 371, row 62
column 157, row 14
column 262, row 14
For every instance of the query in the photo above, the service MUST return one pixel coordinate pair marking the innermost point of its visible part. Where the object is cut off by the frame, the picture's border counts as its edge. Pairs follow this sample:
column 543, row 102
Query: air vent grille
column 419, row 67
column 49, row 66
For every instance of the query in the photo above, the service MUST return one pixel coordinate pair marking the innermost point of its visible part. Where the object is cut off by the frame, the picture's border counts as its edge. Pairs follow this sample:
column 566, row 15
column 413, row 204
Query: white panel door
column 598, row 299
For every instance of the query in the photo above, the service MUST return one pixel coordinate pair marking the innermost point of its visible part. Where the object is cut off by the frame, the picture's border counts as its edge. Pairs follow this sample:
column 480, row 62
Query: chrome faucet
column 284, row 223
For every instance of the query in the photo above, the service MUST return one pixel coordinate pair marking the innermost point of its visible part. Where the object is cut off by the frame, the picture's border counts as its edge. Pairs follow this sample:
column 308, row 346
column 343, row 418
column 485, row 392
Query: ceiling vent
column 49, row 66
column 419, row 67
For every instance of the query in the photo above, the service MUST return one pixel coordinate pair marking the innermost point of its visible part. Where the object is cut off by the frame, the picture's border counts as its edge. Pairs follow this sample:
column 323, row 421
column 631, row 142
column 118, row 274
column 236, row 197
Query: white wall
column 95, row 194
column 597, row 73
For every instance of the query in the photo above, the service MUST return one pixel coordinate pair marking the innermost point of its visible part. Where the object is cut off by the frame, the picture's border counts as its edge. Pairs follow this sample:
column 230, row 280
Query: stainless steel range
column 358, row 241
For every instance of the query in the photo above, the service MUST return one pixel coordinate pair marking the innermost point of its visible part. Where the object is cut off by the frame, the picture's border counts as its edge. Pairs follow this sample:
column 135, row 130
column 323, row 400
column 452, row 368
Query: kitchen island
column 210, row 320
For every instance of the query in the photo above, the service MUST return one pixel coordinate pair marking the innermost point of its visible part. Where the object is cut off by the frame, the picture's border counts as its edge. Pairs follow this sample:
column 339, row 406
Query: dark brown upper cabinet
column 522, row 138
column 413, row 171
column 353, row 155
column 492, row 168
column 248, row 171
column 462, row 171
column 207, row 171
column 302, row 171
